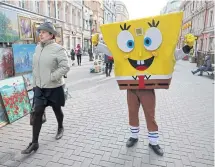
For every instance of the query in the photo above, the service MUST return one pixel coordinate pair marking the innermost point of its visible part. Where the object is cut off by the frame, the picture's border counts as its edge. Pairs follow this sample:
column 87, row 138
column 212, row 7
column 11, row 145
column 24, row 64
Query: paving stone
column 96, row 126
column 53, row 164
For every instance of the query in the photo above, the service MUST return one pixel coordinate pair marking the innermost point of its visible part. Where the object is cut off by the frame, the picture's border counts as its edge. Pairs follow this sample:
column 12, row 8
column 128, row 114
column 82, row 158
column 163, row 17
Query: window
column 86, row 27
column 79, row 41
column 201, row 48
column 49, row 8
column 22, row 4
column 211, row 18
column 67, row 13
column 79, row 19
column 73, row 42
column 58, row 10
column 68, row 43
column 37, row 4
column 211, row 44
column 73, row 16
column 205, row 44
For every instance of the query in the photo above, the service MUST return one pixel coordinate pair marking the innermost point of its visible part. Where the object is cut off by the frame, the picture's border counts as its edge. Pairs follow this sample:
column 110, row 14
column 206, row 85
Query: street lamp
column 91, row 46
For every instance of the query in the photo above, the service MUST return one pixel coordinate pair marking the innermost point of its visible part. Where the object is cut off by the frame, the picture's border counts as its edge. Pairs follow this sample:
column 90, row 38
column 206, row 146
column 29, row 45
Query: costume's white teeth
column 140, row 62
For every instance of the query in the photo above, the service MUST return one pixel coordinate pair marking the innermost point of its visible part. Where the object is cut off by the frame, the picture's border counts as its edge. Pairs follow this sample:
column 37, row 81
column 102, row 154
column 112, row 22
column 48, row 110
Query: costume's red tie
column 141, row 81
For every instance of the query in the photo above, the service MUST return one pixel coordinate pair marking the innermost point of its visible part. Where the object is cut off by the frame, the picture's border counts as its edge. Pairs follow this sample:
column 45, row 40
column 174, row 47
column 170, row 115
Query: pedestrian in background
column 50, row 65
column 78, row 52
column 108, row 64
column 72, row 53
column 207, row 66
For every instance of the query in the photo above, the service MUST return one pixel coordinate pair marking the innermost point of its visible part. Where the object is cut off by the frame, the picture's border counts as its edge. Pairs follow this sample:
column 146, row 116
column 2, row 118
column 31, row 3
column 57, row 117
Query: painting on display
column 25, row 29
column 59, row 37
column 28, row 79
column 6, row 63
column 36, row 35
column 30, row 94
column 8, row 26
column 15, row 98
column 23, row 55
column 3, row 116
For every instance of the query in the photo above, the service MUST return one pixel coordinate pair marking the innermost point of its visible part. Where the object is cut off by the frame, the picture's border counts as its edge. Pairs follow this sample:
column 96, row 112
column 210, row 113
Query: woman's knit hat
column 49, row 27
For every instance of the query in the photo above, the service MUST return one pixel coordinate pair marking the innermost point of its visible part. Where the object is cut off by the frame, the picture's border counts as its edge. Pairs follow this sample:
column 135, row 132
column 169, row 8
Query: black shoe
column 156, row 149
column 30, row 148
column 131, row 142
column 200, row 75
column 192, row 72
column 59, row 134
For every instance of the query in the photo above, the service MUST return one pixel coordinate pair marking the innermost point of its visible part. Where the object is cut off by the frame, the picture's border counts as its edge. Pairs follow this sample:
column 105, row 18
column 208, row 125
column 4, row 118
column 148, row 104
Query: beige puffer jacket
column 50, row 64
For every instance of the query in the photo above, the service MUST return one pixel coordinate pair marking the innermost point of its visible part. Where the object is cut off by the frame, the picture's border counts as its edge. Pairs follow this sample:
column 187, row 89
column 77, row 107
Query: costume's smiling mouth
column 141, row 65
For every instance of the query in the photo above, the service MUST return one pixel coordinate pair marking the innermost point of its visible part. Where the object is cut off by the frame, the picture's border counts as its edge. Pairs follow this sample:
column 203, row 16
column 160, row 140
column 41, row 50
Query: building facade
column 121, row 11
column 199, row 20
column 93, row 18
column 109, row 11
column 171, row 6
column 97, row 9
column 87, row 12
column 66, row 14
column 73, row 16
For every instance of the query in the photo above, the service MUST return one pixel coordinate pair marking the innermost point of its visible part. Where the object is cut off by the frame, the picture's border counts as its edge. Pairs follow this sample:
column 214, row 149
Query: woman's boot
column 30, row 148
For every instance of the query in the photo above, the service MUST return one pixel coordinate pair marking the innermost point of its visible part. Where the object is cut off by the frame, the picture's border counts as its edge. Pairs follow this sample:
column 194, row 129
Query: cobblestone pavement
column 96, row 128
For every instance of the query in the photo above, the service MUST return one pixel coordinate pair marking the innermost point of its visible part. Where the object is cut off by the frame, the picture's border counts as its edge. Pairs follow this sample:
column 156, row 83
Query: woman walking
column 78, row 54
column 50, row 65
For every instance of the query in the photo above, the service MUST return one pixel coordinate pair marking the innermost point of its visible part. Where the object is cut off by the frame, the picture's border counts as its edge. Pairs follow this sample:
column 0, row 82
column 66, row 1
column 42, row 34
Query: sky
column 144, row 8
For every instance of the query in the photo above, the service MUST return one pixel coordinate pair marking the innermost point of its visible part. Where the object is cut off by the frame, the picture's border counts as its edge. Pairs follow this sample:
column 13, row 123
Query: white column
column 45, row 7
column 56, row 9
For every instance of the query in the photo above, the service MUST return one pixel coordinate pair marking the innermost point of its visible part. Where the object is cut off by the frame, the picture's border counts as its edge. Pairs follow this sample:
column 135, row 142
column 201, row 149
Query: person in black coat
column 72, row 53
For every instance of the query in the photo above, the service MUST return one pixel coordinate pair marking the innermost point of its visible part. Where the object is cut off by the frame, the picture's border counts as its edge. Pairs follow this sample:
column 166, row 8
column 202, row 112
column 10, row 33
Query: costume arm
column 181, row 53
column 102, row 48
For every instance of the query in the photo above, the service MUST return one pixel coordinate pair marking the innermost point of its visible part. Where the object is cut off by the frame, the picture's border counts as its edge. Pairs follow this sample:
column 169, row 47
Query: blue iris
column 130, row 44
column 147, row 41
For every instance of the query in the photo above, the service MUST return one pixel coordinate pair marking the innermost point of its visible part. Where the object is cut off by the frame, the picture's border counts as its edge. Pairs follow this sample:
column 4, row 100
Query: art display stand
column 18, row 39
column 98, row 65
column 16, row 82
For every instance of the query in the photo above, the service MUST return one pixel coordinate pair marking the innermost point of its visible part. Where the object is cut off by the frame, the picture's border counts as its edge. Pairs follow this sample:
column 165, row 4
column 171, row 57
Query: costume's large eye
column 125, row 41
column 152, row 39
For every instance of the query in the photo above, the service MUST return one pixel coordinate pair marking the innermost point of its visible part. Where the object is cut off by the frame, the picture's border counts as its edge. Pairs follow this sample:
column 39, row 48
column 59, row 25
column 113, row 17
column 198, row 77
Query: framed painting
column 6, row 63
column 25, row 28
column 35, row 33
column 30, row 95
column 3, row 116
column 59, row 37
column 15, row 98
column 8, row 25
column 28, row 79
column 23, row 56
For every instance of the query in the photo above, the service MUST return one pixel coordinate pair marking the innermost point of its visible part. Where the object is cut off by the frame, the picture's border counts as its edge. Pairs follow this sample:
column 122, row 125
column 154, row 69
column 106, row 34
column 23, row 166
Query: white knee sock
column 134, row 132
column 153, row 137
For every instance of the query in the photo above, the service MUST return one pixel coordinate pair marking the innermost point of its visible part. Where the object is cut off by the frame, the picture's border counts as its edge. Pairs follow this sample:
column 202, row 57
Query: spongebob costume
column 145, row 54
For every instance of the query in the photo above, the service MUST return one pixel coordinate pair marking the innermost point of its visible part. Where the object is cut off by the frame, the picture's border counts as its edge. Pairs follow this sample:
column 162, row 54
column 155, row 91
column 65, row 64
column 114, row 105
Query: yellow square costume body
column 144, row 52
